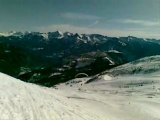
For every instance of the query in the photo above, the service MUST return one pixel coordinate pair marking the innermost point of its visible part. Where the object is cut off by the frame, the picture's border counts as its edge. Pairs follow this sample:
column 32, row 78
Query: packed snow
column 120, row 98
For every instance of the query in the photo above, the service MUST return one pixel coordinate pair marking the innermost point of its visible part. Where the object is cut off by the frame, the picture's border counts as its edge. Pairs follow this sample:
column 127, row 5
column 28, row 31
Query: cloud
column 140, row 22
column 80, row 16
column 109, row 32
column 94, row 23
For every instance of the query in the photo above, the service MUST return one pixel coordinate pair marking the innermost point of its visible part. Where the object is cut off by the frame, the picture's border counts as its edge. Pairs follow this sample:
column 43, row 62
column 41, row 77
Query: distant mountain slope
column 145, row 65
column 12, row 59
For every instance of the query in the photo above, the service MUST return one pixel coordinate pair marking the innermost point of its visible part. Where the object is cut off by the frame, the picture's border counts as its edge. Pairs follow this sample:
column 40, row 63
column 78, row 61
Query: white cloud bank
column 91, row 30
column 140, row 22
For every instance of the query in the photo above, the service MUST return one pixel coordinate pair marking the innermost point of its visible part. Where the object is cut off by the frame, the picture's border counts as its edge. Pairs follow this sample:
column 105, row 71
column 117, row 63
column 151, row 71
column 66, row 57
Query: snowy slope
column 23, row 101
column 114, row 99
column 145, row 65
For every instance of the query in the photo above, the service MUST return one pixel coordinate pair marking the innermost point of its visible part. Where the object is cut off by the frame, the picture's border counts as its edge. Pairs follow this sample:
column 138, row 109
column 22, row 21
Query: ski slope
column 121, row 98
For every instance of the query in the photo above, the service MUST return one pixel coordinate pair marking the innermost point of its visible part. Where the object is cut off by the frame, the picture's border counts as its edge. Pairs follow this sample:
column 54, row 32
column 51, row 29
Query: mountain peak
column 78, row 35
column 58, row 32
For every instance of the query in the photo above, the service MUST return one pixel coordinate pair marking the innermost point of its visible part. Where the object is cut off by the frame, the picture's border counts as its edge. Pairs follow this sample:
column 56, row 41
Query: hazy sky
column 110, row 17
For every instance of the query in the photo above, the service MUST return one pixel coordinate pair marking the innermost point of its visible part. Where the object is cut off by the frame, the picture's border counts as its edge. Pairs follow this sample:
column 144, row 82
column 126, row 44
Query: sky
column 139, row 18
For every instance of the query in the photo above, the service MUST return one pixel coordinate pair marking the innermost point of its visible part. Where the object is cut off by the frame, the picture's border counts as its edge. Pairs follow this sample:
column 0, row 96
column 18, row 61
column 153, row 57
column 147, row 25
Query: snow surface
column 146, row 65
column 121, row 98
column 107, row 77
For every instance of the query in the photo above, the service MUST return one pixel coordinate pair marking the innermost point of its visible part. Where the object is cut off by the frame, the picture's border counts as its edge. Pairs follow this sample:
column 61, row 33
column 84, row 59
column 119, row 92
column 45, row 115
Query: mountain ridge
column 65, row 55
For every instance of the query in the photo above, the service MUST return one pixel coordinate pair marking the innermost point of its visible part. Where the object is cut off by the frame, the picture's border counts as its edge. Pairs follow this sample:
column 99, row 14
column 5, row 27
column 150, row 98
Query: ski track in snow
column 24, row 101
column 121, row 98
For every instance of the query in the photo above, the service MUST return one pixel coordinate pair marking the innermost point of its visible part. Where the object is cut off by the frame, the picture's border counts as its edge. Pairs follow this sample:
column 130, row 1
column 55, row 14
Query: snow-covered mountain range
column 53, row 57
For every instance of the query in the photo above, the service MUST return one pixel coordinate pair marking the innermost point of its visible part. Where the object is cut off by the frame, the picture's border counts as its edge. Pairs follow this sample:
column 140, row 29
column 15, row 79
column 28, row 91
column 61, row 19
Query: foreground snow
column 122, row 98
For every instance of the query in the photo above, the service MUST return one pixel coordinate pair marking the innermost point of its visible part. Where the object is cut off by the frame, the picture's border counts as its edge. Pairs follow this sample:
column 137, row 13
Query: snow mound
column 107, row 77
